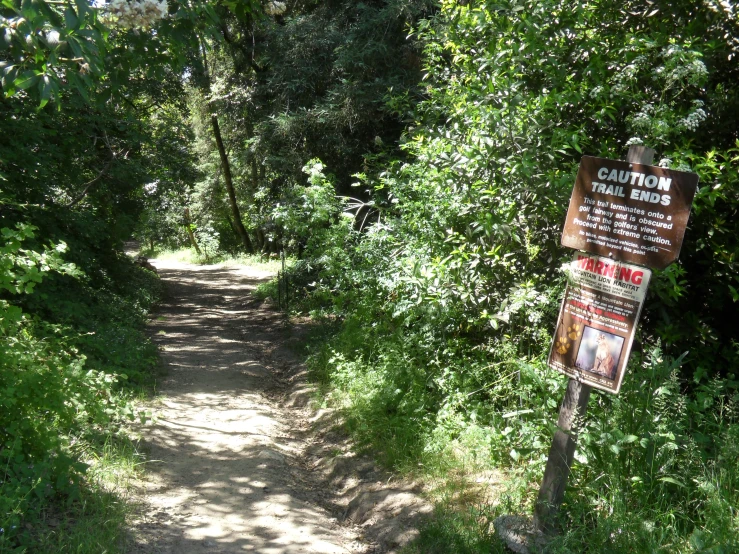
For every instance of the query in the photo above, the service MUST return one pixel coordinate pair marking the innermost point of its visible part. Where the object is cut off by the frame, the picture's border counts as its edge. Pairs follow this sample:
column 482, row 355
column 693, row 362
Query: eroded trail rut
column 225, row 472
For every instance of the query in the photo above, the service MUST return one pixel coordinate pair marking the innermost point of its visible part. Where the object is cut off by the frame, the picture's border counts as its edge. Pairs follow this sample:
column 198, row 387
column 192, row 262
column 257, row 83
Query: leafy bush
column 54, row 399
column 445, row 306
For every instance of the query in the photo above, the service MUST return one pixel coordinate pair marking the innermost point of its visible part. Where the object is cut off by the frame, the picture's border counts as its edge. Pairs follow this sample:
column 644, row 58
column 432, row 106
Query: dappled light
column 224, row 471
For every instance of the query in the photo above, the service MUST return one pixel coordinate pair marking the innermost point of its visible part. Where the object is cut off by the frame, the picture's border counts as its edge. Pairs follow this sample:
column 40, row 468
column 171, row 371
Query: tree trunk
column 254, row 176
column 225, row 164
column 231, row 224
column 188, row 226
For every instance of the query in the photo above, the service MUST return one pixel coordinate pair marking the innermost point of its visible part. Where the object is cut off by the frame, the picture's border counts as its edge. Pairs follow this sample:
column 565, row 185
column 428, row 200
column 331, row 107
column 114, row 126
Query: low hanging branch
column 90, row 184
column 100, row 175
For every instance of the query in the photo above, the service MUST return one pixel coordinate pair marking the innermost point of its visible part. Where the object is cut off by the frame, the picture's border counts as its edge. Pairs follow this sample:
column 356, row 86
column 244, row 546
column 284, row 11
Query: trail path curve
column 227, row 472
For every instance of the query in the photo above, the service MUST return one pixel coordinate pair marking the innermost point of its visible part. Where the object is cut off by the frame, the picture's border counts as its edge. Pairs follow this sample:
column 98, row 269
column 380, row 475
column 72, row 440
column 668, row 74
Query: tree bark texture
column 227, row 178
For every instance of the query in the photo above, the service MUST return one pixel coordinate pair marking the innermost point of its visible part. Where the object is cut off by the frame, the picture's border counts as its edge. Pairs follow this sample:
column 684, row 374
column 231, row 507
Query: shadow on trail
column 223, row 474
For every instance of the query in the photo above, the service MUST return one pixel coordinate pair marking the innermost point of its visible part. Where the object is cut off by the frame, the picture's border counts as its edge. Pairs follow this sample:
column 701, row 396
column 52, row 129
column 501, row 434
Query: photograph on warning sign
column 598, row 319
column 599, row 352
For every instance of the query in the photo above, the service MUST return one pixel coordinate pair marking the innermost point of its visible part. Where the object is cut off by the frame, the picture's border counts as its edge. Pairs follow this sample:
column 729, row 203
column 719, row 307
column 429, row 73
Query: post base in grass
column 519, row 534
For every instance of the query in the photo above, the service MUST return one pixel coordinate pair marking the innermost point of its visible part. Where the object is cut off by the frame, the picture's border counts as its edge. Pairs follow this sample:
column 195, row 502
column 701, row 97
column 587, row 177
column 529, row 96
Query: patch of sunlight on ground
column 270, row 264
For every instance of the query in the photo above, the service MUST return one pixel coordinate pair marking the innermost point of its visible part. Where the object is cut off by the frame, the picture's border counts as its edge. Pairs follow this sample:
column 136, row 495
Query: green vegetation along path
column 225, row 474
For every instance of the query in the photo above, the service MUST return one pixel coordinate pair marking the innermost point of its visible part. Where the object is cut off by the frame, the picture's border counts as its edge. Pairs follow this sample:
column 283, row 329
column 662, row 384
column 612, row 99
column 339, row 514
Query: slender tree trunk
column 188, row 226
column 225, row 164
column 231, row 224
column 254, row 176
column 259, row 234
column 260, row 240
column 235, row 212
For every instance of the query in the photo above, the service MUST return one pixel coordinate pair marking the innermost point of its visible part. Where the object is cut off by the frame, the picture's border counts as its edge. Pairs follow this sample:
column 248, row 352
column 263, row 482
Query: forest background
column 414, row 158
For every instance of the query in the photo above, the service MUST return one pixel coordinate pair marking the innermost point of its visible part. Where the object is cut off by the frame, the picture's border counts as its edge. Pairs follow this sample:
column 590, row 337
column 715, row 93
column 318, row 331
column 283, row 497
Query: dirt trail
column 228, row 471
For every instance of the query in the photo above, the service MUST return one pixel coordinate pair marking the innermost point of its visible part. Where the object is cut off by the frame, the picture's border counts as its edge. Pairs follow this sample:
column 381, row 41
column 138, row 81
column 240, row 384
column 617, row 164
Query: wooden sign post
column 625, row 212
column 561, row 454
column 575, row 403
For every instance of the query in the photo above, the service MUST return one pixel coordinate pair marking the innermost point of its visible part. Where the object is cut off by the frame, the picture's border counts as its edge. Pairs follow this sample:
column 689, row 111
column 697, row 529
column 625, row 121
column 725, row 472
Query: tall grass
column 97, row 522
column 656, row 469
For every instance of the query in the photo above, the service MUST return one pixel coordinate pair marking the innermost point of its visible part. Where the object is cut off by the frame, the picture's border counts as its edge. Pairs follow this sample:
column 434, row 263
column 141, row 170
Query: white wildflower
column 136, row 14
column 52, row 38
column 693, row 120
column 275, row 8
column 596, row 92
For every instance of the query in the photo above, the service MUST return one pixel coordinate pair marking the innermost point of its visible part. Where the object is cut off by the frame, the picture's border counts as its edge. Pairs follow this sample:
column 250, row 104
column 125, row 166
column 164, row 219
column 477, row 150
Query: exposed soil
column 238, row 461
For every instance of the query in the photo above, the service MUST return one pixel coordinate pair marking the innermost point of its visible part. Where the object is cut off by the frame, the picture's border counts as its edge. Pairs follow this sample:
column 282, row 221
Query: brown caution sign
column 628, row 211
column 599, row 315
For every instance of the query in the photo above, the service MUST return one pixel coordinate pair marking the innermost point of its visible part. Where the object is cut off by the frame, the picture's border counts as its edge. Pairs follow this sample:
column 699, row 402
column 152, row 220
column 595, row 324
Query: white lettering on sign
column 636, row 180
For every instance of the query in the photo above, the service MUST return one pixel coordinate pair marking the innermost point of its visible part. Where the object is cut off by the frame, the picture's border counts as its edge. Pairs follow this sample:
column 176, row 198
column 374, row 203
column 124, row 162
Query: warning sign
column 598, row 318
column 628, row 211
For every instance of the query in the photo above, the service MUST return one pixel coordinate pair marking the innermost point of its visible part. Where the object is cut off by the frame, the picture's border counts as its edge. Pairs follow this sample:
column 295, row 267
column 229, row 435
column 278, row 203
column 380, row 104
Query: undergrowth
column 73, row 359
column 97, row 520
column 655, row 471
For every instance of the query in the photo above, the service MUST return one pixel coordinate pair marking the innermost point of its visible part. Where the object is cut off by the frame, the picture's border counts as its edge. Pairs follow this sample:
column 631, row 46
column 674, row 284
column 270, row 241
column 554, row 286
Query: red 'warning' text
column 614, row 271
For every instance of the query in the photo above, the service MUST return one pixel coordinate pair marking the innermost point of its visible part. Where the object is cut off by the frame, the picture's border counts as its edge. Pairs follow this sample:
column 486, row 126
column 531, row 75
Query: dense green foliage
column 416, row 157
column 309, row 83
column 77, row 149
column 64, row 360
column 447, row 302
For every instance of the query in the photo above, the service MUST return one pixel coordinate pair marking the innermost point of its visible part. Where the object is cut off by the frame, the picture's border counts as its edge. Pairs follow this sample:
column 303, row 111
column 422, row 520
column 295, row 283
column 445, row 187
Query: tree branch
column 89, row 184
column 100, row 175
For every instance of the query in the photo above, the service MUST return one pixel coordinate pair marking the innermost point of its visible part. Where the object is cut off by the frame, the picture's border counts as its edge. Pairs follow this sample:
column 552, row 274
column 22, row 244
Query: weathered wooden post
column 279, row 290
column 621, row 212
column 561, row 454
column 284, row 277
